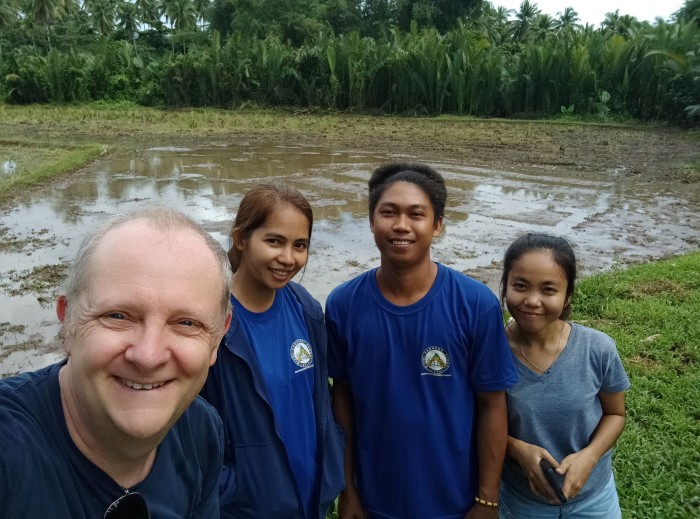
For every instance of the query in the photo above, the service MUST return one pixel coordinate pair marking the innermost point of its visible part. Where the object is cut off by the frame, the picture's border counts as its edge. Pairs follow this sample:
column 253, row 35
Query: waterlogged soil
column 620, row 194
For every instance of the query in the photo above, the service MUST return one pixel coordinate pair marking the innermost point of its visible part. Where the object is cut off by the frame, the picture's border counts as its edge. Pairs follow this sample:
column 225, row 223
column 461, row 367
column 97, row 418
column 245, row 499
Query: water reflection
column 8, row 167
column 486, row 209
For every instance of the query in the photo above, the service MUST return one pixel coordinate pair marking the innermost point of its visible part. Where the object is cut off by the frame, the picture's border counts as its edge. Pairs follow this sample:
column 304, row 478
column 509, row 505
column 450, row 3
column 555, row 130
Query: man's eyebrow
column 101, row 305
column 411, row 206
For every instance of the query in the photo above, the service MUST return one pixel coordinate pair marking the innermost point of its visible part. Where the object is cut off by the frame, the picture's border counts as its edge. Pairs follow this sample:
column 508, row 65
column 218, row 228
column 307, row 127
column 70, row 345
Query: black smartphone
column 553, row 478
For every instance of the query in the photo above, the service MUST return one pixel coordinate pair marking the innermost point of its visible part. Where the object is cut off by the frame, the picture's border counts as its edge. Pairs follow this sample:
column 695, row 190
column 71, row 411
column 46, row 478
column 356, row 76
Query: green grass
column 690, row 173
column 36, row 162
column 653, row 312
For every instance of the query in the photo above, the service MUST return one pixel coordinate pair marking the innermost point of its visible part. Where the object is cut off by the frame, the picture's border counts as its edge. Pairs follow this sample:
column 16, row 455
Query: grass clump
column 27, row 163
column 690, row 173
column 652, row 311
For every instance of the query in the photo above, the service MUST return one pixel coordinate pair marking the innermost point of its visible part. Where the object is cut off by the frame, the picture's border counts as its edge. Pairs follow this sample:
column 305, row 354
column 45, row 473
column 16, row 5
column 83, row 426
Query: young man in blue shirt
column 420, row 365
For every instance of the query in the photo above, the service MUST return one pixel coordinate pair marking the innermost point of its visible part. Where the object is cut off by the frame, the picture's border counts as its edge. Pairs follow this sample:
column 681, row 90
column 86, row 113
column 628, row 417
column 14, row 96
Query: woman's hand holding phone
column 576, row 468
column 528, row 456
column 554, row 479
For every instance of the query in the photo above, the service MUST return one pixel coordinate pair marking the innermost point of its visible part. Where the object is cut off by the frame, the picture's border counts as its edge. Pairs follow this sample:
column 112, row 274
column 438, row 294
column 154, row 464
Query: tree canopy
column 403, row 56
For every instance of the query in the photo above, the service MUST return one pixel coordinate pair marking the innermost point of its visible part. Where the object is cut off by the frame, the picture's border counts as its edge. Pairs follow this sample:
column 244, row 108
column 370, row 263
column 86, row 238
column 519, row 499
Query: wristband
column 492, row 504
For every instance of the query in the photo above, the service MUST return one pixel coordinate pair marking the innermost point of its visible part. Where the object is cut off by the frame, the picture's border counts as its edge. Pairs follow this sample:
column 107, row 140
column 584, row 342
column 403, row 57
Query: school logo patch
column 435, row 361
column 302, row 354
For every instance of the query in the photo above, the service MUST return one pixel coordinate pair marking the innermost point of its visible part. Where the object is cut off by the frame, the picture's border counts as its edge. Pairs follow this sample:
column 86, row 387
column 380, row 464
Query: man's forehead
column 405, row 192
column 179, row 255
column 141, row 227
column 139, row 235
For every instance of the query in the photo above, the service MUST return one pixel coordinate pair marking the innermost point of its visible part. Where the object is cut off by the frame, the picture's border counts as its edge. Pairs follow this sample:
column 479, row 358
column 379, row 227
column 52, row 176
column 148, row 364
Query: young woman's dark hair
column 257, row 206
column 425, row 177
column 561, row 251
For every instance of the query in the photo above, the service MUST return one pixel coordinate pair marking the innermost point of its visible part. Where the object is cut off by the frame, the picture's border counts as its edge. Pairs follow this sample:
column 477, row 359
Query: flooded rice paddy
column 611, row 219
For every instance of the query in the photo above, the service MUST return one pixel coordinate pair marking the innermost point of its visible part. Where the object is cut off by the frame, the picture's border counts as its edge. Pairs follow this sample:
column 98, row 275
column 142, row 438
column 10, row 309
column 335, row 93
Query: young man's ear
column 437, row 228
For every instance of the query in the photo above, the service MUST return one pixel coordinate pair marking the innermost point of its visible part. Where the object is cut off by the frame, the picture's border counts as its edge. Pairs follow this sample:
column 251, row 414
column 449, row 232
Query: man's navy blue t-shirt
column 43, row 475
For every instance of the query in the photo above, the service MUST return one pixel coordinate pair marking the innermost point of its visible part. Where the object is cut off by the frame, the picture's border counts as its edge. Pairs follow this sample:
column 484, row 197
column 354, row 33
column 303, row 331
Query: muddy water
column 610, row 218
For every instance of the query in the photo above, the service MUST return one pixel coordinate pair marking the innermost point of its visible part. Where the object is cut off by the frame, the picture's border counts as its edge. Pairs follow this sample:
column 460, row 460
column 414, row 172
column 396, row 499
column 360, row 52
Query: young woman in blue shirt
column 283, row 452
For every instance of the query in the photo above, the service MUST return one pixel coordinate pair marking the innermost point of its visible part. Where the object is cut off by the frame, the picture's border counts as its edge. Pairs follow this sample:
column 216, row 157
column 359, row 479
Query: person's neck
column 252, row 295
column 404, row 286
column 126, row 460
column 543, row 340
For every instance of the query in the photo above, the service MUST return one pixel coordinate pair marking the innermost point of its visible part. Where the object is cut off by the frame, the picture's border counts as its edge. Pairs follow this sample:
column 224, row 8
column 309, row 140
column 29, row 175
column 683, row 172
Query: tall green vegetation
column 399, row 56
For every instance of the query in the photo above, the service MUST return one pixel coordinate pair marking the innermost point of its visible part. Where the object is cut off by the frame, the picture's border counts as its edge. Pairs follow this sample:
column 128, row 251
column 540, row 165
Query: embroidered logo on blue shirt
column 302, row 354
column 436, row 361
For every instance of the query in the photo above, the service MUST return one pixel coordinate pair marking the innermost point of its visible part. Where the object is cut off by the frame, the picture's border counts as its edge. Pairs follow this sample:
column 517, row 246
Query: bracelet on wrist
column 484, row 502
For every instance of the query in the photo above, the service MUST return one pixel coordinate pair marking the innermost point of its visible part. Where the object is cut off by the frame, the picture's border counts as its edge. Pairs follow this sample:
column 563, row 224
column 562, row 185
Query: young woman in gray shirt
column 568, row 407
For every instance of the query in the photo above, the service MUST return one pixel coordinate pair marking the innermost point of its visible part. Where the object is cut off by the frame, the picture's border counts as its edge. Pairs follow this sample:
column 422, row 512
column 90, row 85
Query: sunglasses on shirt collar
column 131, row 505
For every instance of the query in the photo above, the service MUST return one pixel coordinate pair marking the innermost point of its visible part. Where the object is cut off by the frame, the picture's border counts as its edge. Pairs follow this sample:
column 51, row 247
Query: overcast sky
column 593, row 11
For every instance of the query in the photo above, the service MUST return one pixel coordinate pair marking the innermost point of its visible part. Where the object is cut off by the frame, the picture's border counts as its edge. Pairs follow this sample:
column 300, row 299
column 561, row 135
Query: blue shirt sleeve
column 337, row 347
column 491, row 363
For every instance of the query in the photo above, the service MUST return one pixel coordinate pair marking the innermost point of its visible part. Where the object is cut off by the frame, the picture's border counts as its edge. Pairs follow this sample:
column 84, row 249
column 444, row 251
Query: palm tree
column 610, row 22
column 500, row 14
column 542, row 28
column 128, row 18
column 147, row 10
column 568, row 20
column 8, row 13
column 102, row 14
column 71, row 7
column 689, row 11
column 523, row 19
column 200, row 8
column 628, row 25
column 180, row 14
column 44, row 12
column 491, row 22
column 624, row 25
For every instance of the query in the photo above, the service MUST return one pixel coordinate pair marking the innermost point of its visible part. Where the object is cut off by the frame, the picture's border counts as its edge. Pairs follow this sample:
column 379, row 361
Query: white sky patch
column 593, row 11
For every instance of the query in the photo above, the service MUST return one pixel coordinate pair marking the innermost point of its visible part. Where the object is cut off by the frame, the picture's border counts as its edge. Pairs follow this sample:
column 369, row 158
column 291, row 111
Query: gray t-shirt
column 560, row 409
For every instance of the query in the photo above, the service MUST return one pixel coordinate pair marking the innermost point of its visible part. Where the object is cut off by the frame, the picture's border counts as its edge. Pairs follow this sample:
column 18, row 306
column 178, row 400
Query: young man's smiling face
column 404, row 225
column 144, row 334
